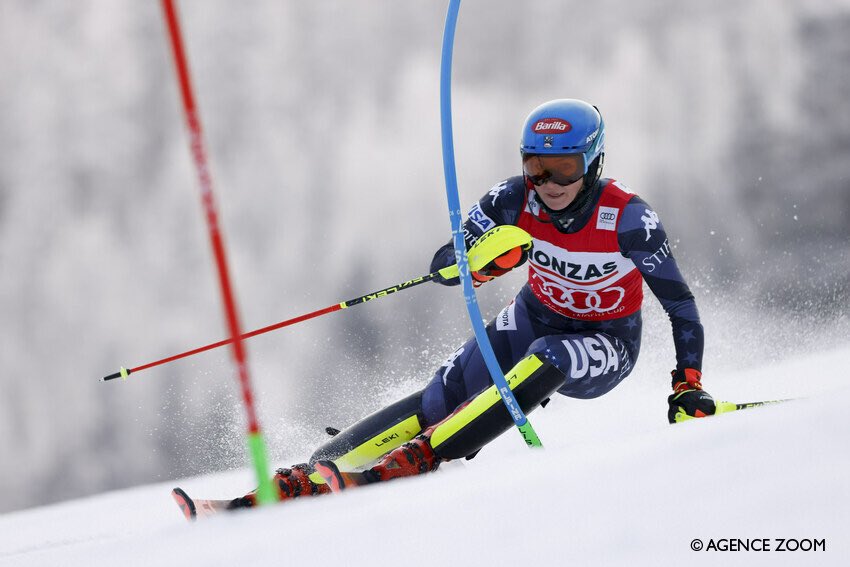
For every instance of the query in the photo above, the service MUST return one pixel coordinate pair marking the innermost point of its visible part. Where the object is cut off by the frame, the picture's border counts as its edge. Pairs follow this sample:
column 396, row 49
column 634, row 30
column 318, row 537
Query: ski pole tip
column 122, row 373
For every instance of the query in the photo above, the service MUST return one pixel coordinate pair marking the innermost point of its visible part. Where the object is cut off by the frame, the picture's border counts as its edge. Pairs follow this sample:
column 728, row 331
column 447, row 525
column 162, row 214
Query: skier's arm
column 643, row 239
column 501, row 205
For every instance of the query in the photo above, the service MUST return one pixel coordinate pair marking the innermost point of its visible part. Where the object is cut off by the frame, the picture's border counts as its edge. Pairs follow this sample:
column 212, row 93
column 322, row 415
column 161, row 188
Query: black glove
column 688, row 399
column 501, row 265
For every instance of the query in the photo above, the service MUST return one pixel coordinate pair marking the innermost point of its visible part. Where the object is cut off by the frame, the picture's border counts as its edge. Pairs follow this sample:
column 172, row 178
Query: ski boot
column 413, row 458
column 290, row 482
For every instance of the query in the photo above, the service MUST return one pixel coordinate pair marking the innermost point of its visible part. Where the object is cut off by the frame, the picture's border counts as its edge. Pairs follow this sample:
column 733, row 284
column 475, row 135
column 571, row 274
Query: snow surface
column 616, row 485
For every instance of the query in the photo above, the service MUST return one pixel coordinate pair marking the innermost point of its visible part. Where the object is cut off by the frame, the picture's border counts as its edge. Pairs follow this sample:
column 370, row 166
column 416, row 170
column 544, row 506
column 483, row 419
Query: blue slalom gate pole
column 456, row 220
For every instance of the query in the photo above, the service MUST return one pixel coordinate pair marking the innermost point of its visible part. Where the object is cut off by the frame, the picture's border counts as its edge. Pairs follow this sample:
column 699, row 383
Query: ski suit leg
column 464, row 374
column 584, row 363
column 580, row 364
column 369, row 438
column 593, row 362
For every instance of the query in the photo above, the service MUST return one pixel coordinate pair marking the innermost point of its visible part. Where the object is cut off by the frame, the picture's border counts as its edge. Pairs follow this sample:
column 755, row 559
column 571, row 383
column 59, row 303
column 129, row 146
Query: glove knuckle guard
column 509, row 259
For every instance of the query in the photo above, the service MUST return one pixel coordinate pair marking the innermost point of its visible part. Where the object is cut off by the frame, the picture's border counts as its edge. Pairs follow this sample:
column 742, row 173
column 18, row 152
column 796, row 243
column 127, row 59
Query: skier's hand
column 688, row 399
column 501, row 265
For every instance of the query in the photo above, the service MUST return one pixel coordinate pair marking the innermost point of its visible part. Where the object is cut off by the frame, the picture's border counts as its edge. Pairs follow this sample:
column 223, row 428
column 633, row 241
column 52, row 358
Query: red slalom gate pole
column 256, row 444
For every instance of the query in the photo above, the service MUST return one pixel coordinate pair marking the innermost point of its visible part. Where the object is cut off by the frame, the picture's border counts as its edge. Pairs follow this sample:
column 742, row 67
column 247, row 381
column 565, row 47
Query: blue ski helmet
column 566, row 126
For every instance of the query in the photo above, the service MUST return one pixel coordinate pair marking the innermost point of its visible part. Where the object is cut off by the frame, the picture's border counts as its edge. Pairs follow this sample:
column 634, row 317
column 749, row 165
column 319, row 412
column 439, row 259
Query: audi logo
column 582, row 300
column 607, row 216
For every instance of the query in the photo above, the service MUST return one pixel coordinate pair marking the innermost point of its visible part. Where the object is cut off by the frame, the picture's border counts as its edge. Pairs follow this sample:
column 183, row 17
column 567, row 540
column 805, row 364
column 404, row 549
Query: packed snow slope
column 615, row 485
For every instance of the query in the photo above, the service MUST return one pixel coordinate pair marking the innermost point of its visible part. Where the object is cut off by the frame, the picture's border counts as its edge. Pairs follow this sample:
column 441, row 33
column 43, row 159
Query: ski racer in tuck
column 574, row 328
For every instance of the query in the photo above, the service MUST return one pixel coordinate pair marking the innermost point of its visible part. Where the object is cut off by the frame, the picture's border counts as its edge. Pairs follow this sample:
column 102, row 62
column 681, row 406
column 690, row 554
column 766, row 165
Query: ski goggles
column 562, row 169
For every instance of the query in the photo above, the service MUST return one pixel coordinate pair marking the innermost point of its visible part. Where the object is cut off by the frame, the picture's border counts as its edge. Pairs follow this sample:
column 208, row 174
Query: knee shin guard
column 485, row 417
column 370, row 438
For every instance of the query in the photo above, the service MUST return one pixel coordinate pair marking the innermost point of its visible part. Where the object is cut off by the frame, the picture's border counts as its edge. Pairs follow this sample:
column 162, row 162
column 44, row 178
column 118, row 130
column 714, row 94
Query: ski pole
column 447, row 273
column 494, row 243
column 729, row 407
column 726, row 407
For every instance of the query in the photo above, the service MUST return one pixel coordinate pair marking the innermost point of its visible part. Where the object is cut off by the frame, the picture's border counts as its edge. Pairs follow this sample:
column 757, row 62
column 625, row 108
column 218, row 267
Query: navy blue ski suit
column 581, row 306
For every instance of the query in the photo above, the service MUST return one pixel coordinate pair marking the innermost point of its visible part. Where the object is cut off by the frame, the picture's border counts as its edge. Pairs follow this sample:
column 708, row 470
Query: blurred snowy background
column 322, row 118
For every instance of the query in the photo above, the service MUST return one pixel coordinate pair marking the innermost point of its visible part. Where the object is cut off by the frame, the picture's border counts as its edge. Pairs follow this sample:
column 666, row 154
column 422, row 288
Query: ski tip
column 187, row 506
column 330, row 472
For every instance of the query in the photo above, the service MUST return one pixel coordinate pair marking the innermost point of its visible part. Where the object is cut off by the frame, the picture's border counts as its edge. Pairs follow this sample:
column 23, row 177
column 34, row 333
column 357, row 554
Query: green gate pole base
column 266, row 493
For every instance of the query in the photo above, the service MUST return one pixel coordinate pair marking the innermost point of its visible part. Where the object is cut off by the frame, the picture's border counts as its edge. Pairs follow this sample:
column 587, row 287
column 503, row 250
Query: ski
column 193, row 509
column 729, row 407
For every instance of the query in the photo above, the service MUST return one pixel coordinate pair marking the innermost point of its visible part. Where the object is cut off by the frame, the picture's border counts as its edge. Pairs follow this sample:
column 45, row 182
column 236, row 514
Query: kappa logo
column 551, row 126
column 650, row 222
column 450, row 363
column 496, row 191
column 607, row 218
column 591, row 356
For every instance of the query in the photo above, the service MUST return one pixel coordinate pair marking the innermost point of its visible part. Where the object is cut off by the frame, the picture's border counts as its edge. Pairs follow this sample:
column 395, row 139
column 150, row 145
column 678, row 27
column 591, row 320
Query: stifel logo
column 551, row 125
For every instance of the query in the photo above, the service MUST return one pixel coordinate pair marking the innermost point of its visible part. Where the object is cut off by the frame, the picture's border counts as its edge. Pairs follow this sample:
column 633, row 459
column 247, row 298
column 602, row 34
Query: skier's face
column 557, row 178
column 558, row 197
